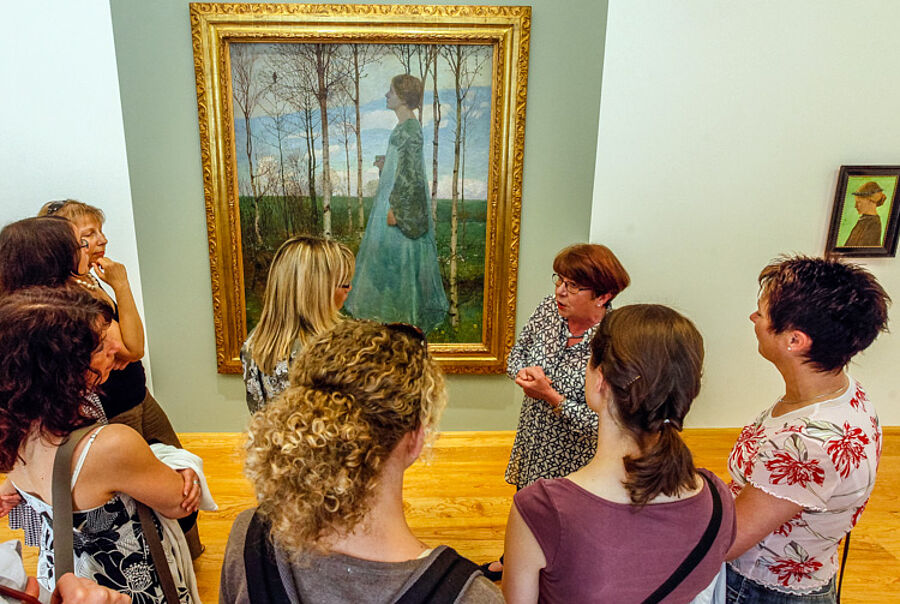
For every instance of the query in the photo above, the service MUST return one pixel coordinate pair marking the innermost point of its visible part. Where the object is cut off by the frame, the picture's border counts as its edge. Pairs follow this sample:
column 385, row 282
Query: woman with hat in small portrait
column 867, row 231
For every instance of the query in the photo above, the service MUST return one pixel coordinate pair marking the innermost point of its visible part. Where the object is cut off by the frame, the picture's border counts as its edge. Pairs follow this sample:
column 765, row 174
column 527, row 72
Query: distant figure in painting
column 397, row 276
column 867, row 231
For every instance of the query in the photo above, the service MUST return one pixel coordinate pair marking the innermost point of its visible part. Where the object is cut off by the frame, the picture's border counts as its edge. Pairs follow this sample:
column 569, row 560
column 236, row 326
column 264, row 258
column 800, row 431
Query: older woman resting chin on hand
column 804, row 469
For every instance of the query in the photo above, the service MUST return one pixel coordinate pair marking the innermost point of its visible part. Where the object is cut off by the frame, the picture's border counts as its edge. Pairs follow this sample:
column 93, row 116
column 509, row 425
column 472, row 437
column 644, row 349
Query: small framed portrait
column 865, row 213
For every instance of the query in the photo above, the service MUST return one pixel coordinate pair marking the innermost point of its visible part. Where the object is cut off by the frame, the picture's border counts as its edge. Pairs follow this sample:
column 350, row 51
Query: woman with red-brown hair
column 557, row 431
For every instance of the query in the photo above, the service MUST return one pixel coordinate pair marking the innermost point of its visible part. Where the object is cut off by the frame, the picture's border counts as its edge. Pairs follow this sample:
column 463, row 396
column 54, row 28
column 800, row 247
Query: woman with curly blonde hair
column 326, row 460
column 308, row 282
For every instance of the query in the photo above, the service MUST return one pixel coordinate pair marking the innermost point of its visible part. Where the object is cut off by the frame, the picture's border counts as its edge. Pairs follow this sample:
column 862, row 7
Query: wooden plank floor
column 459, row 498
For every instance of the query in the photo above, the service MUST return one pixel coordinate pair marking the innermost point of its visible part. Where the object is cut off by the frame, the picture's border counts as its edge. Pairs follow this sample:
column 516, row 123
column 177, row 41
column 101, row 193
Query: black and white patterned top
column 263, row 387
column 109, row 547
column 552, row 444
column 23, row 516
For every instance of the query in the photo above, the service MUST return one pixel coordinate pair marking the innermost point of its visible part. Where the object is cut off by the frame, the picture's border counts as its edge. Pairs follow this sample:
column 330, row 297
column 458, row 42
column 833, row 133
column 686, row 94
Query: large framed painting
column 866, row 212
column 381, row 127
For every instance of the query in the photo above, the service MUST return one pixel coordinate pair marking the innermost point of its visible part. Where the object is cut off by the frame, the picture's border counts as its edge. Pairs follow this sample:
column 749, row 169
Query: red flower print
column 735, row 488
column 846, row 451
column 796, row 570
column 859, row 398
column 797, row 429
column 744, row 452
column 877, row 432
column 785, row 529
column 789, row 470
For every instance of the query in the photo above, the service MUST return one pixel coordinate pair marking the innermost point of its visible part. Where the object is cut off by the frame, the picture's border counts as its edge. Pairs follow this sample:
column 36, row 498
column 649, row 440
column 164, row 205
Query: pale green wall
column 155, row 63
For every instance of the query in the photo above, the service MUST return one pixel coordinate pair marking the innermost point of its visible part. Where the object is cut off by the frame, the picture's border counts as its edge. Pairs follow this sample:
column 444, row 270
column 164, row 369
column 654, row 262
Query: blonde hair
column 72, row 210
column 299, row 299
column 315, row 454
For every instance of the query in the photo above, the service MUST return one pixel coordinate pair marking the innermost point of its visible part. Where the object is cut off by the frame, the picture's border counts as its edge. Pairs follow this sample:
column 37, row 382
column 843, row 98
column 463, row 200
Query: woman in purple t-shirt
column 617, row 529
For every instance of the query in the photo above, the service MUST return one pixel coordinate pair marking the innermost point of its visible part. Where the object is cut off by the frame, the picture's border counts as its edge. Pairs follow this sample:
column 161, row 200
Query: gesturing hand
column 535, row 383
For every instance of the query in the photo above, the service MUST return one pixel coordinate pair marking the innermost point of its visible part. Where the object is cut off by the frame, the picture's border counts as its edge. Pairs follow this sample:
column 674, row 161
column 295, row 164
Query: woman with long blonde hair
column 327, row 460
column 309, row 279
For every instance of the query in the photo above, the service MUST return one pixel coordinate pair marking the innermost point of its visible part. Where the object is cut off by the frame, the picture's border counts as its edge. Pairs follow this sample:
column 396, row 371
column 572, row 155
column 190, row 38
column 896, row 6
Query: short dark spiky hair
column 839, row 305
column 47, row 336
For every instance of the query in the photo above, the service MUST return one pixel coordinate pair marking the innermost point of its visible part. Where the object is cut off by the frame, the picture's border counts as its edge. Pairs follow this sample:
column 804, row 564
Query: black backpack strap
column 442, row 582
column 700, row 550
column 264, row 584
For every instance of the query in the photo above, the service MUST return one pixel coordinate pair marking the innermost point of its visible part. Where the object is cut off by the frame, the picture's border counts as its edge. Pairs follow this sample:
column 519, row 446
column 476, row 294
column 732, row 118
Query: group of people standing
column 604, row 477
column 342, row 407
column 71, row 353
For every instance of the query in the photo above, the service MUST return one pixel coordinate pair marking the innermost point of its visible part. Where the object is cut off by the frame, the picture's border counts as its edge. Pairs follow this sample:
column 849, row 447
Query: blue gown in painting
column 397, row 275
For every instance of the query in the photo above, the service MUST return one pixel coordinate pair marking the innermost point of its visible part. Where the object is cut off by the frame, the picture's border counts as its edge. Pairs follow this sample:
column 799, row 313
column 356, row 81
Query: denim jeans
column 740, row 590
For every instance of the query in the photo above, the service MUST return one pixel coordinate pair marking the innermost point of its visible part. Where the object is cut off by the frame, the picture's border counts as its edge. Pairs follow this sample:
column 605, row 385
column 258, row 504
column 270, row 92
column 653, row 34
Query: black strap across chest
column 441, row 583
column 696, row 555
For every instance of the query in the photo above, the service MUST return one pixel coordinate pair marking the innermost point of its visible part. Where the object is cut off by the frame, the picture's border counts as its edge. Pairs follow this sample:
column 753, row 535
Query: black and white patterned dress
column 552, row 444
column 262, row 387
column 110, row 548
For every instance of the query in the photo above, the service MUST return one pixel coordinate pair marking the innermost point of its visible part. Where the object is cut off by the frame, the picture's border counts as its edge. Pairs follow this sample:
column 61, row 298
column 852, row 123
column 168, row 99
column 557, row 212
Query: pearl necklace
column 88, row 283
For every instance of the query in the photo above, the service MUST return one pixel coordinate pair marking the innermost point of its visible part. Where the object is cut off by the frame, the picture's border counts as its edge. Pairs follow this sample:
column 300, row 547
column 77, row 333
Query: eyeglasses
column 571, row 287
column 410, row 330
column 344, row 286
column 84, row 244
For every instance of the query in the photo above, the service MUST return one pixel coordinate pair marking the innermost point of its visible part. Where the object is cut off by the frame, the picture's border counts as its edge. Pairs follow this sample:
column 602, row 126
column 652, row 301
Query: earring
column 789, row 349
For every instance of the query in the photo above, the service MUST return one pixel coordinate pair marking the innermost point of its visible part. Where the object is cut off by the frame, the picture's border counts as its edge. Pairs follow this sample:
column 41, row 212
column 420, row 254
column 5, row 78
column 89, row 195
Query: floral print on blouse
column 262, row 387
column 551, row 444
column 822, row 457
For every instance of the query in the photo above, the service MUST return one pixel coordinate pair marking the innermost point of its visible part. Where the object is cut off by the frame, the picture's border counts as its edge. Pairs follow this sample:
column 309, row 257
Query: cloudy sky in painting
column 377, row 122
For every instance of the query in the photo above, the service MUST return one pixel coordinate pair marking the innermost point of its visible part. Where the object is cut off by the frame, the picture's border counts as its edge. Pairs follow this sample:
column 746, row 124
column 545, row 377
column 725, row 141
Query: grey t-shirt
column 337, row 578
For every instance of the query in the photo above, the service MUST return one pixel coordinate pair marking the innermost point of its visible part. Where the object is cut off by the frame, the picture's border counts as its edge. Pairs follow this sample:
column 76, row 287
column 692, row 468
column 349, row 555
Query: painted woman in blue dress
column 397, row 275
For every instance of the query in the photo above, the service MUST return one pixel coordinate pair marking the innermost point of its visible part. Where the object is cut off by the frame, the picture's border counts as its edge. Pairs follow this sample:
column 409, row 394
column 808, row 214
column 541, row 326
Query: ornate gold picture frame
column 290, row 93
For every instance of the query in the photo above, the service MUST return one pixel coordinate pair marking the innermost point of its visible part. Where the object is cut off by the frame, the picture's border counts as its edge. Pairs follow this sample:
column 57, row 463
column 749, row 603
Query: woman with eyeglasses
column 125, row 398
column 309, row 280
column 557, row 431
column 47, row 251
column 327, row 460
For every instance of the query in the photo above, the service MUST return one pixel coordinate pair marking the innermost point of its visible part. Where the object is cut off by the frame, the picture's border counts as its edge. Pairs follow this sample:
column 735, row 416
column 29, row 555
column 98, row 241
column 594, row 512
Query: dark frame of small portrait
column 866, row 212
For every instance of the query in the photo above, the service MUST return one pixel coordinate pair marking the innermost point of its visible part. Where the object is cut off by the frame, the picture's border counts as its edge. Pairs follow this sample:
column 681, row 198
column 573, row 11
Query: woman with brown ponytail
column 622, row 527
column 326, row 459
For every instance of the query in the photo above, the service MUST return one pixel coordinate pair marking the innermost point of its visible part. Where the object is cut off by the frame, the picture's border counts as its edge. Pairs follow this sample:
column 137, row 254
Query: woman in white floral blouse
column 804, row 469
column 557, row 431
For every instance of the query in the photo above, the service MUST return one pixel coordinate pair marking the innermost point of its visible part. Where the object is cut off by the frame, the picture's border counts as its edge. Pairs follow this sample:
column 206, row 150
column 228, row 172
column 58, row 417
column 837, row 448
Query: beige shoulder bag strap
column 61, row 494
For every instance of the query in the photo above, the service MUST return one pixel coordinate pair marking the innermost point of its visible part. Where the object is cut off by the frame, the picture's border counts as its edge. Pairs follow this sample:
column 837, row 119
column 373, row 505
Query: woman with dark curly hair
column 326, row 460
column 804, row 469
column 55, row 351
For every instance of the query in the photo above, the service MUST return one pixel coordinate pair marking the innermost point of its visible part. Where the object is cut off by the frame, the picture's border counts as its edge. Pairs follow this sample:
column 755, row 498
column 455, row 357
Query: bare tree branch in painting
column 436, row 119
column 300, row 75
column 345, row 132
column 276, row 105
column 356, row 58
column 247, row 90
column 464, row 62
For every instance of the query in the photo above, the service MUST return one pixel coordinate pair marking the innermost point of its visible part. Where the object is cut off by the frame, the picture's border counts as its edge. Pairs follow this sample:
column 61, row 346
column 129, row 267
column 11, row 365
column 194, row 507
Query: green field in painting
column 280, row 218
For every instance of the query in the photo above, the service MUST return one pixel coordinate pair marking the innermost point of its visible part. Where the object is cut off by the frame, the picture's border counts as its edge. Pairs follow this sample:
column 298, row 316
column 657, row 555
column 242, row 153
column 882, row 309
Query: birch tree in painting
column 247, row 93
column 357, row 57
column 464, row 62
